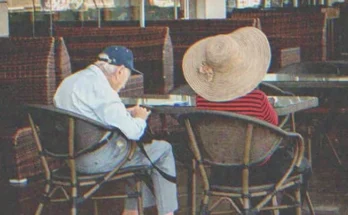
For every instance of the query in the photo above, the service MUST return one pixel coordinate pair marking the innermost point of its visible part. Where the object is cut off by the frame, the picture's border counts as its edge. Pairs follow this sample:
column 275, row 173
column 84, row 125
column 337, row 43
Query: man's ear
column 118, row 72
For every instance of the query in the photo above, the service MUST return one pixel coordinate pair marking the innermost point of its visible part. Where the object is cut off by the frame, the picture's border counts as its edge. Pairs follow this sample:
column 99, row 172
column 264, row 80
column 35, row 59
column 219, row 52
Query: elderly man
column 93, row 92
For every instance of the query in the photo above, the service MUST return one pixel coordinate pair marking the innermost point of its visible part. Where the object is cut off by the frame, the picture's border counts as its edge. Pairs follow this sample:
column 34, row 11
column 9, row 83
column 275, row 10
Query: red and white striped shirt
column 253, row 104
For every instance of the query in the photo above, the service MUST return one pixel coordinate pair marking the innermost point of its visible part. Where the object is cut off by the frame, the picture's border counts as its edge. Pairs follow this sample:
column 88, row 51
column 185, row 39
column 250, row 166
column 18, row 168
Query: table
column 174, row 105
column 177, row 104
column 307, row 80
column 285, row 105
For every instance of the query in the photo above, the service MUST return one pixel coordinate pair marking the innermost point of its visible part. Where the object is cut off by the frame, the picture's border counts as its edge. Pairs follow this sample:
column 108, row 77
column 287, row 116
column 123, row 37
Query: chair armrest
column 35, row 107
column 300, row 144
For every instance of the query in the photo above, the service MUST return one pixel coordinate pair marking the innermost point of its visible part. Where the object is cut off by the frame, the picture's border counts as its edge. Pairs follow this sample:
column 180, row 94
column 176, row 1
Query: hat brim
column 227, row 86
column 136, row 72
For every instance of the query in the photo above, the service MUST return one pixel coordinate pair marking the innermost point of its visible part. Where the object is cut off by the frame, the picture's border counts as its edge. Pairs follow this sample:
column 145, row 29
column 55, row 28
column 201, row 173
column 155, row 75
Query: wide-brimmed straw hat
column 227, row 66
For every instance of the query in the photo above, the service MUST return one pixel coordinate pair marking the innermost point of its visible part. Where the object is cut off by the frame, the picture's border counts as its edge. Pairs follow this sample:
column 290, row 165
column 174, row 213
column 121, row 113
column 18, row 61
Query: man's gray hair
column 107, row 68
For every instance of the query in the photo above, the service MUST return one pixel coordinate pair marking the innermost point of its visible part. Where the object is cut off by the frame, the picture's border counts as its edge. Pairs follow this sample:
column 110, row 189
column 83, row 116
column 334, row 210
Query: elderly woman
column 225, row 71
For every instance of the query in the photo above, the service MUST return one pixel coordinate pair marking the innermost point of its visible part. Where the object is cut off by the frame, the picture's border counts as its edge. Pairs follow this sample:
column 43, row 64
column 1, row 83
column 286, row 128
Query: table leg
column 193, row 190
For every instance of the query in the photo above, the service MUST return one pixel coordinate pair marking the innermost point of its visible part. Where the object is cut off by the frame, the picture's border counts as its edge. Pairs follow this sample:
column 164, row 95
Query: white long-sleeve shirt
column 89, row 93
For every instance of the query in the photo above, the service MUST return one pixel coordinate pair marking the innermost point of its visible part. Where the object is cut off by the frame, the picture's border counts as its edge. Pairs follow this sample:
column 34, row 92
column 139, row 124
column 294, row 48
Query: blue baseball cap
column 118, row 55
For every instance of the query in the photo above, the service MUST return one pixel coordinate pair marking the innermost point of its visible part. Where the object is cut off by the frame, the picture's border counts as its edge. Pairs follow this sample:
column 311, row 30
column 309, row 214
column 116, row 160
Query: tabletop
column 307, row 80
column 178, row 104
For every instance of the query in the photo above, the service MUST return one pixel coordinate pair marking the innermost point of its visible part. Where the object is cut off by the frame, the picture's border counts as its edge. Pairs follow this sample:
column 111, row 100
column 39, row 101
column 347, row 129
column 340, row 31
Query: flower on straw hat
column 227, row 66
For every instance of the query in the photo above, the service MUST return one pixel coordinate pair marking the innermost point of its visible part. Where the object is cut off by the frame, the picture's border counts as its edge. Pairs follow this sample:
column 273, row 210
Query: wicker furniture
column 182, row 34
column 16, row 49
column 184, row 89
column 186, row 32
column 30, row 70
column 64, row 136
column 229, row 139
column 151, row 46
column 29, row 62
column 289, row 29
column 134, row 86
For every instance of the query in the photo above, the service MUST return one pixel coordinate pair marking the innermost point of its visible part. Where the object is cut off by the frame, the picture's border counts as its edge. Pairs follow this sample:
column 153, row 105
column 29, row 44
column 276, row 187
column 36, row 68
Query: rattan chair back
column 231, row 139
column 55, row 125
column 234, row 140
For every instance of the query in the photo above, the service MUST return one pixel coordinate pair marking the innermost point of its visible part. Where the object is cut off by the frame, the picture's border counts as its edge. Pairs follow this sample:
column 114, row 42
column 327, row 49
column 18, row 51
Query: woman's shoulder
column 257, row 92
column 254, row 95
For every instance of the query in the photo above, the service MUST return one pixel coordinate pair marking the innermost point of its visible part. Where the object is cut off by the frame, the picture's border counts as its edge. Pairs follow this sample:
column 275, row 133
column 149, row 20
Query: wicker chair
column 229, row 139
column 332, row 105
column 63, row 135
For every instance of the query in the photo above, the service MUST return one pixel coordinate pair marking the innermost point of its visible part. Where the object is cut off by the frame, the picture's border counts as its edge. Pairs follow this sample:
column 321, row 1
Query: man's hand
column 139, row 112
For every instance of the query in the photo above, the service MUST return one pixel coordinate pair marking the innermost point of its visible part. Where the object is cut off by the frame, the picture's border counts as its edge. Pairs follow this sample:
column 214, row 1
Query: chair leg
column 309, row 203
column 95, row 205
column 333, row 149
column 309, row 144
column 39, row 209
column 193, row 187
column 41, row 205
column 275, row 203
column 204, row 206
column 73, row 210
column 298, row 201
column 140, row 197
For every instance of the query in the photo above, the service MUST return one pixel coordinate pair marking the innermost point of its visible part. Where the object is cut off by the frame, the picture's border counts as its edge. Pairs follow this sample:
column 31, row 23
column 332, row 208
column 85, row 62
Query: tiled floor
column 328, row 189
